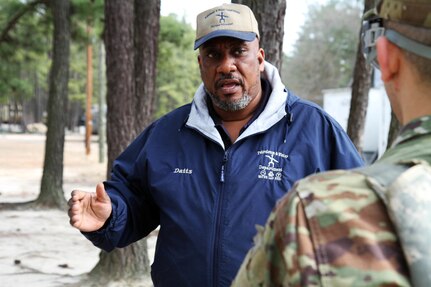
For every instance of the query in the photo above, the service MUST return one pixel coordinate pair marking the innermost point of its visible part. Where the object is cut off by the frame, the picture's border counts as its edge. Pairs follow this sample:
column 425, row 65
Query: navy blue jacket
column 208, row 199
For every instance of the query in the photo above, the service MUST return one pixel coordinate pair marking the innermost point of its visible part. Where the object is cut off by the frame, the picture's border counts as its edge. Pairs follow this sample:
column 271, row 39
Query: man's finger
column 70, row 202
column 77, row 195
column 70, row 213
column 75, row 222
column 74, row 218
column 101, row 193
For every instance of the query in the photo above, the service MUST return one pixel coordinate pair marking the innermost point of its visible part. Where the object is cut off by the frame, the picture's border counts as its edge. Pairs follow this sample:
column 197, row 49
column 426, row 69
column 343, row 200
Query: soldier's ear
column 389, row 58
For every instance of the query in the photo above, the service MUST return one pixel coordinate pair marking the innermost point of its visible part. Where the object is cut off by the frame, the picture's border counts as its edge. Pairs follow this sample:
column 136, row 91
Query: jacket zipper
column 216, row 249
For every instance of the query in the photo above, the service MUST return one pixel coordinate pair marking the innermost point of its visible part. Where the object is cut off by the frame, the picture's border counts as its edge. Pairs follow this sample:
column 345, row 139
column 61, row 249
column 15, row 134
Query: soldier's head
column 406, row 24
column 397, row 39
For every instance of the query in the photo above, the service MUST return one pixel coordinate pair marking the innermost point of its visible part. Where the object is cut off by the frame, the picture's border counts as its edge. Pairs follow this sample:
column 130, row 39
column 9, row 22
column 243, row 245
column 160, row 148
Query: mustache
column 220, row 82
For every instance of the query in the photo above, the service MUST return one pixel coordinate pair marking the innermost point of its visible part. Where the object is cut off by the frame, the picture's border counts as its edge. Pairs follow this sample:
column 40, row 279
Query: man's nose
column 227, row 65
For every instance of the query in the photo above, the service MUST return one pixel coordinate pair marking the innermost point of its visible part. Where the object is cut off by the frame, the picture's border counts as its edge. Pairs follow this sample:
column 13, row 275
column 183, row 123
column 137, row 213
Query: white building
column 336, row 102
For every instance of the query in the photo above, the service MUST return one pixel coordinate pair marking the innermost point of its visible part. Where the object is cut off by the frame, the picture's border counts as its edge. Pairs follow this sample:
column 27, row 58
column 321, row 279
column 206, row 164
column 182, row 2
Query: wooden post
column 102, row 95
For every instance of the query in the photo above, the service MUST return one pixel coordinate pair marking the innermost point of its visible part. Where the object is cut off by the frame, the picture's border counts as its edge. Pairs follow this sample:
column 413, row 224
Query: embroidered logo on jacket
column 183, row 170
column 271, row 170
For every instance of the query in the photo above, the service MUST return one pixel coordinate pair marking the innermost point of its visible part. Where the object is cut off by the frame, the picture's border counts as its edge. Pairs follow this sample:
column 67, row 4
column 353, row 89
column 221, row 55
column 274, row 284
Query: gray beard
column 230, row 106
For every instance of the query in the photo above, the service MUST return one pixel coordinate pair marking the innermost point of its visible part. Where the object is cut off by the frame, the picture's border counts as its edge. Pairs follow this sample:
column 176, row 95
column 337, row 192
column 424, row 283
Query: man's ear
column 261, row 59
column 200, row 62
column 388, row 56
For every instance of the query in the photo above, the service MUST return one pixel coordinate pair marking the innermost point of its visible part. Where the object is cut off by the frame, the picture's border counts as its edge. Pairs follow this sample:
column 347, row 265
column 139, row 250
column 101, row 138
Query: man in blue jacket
column 208, row 172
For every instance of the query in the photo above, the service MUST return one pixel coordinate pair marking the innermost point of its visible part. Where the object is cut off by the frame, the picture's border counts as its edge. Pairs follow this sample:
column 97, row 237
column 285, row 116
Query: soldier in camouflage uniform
column 344, row 228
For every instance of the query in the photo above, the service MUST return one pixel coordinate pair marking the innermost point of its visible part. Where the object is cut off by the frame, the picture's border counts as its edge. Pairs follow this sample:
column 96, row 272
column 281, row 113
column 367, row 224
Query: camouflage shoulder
column 332, row 184
column 330, row 230
column 352, row 235
column 284, row 251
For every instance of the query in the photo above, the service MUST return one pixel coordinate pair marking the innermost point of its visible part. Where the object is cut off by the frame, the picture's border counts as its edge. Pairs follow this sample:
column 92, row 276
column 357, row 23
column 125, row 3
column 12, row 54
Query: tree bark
column 270, row 17
column 360, row 89
column 119, row 43
column 51, row 193
column 147, row 27
column 131, row 37
column 126, row 264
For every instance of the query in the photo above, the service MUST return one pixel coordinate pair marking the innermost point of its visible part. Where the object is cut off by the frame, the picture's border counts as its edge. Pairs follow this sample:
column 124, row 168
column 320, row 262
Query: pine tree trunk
column 119, row 43
column 147, row 26
column 51, row 193
column 131, row 34
column 270, row 17
column 360, row 89
column 129, row 264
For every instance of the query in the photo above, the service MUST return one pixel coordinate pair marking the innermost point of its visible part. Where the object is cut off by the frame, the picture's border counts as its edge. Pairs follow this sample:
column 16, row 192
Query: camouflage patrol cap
column 415, row 13
column 411, row 12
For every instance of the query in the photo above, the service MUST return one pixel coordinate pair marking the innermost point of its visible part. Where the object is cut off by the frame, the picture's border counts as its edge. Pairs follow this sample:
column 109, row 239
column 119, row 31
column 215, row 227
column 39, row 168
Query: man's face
column 230, row 70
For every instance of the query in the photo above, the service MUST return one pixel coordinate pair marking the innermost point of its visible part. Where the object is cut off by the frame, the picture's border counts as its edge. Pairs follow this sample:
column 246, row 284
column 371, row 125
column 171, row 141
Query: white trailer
column 336, row 102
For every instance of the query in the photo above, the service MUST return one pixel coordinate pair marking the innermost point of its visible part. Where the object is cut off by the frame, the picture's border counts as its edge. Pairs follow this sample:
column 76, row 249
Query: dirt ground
column 40, row 248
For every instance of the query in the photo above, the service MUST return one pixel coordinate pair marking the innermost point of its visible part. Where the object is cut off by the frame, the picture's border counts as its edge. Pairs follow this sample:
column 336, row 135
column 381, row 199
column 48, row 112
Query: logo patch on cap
column 229, row 20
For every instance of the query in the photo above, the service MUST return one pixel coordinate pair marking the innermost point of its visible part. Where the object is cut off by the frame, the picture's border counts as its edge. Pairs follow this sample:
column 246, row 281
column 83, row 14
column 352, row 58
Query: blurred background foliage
column 177, row 67
column 324, row 54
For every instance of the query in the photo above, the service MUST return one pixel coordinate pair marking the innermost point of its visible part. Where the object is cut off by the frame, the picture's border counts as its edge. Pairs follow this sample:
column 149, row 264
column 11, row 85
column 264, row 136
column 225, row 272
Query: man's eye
column 239, row 52
column 212, row 55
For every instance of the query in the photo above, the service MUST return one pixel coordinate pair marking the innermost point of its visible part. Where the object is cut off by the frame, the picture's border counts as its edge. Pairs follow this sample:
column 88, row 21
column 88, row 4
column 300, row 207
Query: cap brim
column 245, row 36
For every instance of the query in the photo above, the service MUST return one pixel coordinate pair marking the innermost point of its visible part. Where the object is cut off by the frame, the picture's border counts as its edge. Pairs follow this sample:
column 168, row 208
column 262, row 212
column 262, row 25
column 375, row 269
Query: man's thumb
column 101, row 193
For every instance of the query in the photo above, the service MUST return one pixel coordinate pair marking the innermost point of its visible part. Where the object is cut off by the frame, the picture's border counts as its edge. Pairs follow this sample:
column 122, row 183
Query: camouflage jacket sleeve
column 330, row 230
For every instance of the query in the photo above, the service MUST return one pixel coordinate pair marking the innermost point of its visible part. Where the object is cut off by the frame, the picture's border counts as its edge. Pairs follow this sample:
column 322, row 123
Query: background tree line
column 151, row 68
column 325, row 43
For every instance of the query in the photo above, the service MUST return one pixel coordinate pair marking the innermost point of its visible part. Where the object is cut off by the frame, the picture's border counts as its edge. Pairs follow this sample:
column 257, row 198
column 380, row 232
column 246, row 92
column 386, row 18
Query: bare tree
column 360, row 89
column 270, row 16
column 131, row 34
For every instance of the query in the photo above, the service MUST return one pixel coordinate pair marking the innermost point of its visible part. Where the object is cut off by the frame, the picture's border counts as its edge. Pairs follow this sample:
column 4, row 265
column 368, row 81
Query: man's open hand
column 88, row 211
